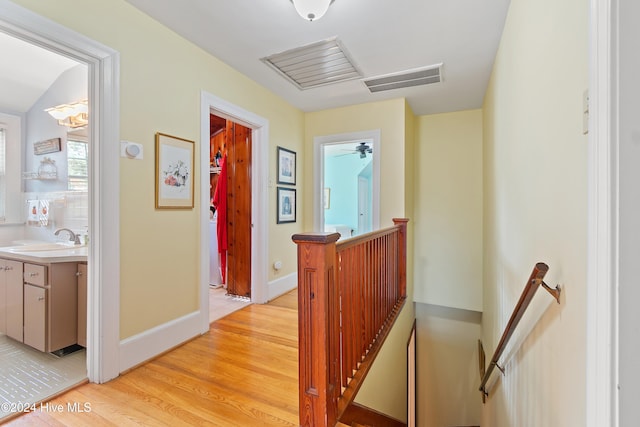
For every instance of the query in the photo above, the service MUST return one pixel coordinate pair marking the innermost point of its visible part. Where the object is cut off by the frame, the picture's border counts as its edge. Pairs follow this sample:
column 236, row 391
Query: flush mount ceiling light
column 311, row 10
column 72, row 115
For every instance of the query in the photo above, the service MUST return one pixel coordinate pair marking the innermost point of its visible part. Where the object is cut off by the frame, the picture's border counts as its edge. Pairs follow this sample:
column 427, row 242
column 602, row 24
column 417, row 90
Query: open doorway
column 347, row 183
column 45, row 190
column 230, row 221
column 258, row 129
column 77, row 155
column 102, row 362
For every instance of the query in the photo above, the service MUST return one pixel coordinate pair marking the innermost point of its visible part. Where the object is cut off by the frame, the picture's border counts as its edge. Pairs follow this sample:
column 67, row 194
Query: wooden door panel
column 239, row 212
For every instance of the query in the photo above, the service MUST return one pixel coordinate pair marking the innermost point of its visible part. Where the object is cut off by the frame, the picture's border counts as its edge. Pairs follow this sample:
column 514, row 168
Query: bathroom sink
column 41, row 247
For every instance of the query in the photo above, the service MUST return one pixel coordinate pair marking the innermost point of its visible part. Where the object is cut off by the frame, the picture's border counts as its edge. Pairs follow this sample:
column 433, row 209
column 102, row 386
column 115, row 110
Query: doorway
column 100, row 89
column 347, row 183
column 103, row 64
column 230, row 177
column 259, row 127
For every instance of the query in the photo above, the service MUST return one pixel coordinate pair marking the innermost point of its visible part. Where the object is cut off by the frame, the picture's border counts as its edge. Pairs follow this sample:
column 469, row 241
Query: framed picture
column 174, row 172
column 286, row 205
column 327, row 198
column 286, row 166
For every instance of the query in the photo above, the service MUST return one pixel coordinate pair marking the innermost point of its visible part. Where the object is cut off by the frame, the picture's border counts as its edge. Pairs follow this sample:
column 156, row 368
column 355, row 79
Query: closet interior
column 230, row 206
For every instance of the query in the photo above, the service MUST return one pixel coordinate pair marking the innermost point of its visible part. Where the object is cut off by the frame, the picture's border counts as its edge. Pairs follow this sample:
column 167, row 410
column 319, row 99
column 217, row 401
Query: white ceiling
column 381, row 36
column 30, row 71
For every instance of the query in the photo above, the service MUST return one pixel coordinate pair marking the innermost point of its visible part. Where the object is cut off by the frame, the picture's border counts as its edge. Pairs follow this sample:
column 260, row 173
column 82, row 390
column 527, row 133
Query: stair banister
column 349, row 295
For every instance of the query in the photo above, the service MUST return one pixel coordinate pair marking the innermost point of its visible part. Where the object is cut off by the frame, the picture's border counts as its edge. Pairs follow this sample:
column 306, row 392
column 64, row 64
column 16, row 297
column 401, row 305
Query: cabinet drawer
column 35, row 274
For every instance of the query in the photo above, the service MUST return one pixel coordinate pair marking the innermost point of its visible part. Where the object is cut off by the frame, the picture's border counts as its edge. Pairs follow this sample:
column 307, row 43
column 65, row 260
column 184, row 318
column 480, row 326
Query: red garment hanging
column 220, row 203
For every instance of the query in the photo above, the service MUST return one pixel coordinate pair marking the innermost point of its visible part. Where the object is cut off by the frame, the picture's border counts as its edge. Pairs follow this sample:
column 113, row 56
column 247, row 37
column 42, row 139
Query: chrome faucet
column 73, row 237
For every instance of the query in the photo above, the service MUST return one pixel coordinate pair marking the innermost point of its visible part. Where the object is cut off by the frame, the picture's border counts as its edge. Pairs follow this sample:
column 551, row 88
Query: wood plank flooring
column 243, row 372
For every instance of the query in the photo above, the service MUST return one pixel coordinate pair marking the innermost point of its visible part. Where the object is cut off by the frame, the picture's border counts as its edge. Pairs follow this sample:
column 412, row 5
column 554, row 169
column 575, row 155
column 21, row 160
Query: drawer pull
column 33, row 274
column 79, row 273
column 40, row 298
column 8, row 268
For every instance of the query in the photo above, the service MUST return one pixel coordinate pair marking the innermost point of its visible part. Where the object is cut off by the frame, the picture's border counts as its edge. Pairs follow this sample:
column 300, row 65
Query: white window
column 11, row 206
column 3, row 181
column 77, row 163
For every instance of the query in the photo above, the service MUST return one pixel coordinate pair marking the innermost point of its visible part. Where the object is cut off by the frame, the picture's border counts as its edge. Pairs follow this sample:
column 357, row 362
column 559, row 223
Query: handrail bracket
column 555, row 292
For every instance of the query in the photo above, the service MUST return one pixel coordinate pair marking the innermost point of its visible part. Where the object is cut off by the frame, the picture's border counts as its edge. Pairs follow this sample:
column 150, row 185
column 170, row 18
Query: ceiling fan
column 362, row 149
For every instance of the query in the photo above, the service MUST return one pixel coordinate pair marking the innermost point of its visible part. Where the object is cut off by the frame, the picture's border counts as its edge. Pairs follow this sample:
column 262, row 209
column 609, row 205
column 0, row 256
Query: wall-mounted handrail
column 535, row 280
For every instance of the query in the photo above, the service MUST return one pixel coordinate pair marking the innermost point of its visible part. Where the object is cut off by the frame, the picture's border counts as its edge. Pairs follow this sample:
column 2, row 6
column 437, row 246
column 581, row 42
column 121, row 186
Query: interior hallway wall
column 535, row 209
column 162, row 76
column 448, row 210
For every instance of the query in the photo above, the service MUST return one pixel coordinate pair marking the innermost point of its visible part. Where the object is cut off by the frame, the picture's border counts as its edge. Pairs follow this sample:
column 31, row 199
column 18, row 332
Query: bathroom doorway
column 102, row 63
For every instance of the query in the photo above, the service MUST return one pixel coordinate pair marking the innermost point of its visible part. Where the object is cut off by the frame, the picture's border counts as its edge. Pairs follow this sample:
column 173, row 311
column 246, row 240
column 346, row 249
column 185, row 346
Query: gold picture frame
column 174, row 172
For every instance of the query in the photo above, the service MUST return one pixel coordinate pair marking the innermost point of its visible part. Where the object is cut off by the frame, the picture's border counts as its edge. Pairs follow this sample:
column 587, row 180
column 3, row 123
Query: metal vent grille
column 424, row 76
column 314, row 65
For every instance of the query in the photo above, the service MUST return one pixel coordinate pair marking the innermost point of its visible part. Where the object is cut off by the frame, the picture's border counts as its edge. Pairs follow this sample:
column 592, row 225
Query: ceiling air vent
column 318, row 64
column 411, row 78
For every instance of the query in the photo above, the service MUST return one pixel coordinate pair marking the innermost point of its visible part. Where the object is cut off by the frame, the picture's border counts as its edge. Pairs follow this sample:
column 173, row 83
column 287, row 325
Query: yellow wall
column 395, row 121
column 388, row 116
column 448, row 199
column 535, row 187
column 161, row 79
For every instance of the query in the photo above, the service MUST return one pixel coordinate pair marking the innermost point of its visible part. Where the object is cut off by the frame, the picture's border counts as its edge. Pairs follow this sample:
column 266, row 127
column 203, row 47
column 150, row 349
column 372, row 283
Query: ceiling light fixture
column 72, row 115
column 311, row 10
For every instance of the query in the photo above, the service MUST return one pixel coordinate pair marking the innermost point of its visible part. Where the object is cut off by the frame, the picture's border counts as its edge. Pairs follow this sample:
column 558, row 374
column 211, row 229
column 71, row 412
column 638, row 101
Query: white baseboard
column 148, row 344
column 282, row 285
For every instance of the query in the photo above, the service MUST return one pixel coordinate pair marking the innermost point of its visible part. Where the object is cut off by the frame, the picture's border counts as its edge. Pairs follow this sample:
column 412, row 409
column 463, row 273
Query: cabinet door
column 3, row 299
column 82, row 304
column 35, row 316
column 14, row 294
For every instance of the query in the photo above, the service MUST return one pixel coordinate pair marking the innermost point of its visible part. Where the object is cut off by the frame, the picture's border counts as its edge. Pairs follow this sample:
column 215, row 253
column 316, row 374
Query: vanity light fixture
column 72, row 115
column 311, row 10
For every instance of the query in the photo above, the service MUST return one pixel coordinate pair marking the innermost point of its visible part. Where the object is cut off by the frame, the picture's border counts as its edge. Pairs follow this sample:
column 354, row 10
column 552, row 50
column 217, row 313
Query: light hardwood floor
column 243, row 372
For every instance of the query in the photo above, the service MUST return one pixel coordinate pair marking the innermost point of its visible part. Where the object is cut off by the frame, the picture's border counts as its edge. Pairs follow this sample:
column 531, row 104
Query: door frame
column 103, row 307
column 318, row 173
column 211, row 104
column 602, row 329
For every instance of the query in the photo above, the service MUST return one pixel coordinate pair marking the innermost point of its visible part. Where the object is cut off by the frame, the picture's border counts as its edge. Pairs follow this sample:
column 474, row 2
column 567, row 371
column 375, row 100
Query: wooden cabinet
column 82, row 305
column 39, row 303
column 50, row 305
column 11, row 281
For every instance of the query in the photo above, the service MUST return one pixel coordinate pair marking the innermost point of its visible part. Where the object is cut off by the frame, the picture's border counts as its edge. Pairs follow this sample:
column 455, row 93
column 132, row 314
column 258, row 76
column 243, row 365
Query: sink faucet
column 73, row 237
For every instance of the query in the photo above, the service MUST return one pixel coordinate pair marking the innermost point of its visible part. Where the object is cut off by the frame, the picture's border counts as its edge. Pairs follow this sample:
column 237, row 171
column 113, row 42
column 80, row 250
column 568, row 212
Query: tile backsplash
column 66, row 210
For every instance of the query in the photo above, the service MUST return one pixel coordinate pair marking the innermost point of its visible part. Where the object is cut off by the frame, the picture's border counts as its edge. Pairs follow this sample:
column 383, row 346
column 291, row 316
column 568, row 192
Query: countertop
column 72, row 254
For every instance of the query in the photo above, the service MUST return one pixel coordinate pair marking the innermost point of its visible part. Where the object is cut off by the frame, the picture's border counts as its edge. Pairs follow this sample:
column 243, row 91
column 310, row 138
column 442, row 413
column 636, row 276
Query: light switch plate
column 131, row 150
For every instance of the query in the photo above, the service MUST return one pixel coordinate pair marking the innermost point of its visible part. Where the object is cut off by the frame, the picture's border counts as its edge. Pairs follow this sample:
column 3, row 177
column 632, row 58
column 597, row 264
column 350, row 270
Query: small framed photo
column 286, row 205
column 286, row 166
column 327, row 198
column 174, row 172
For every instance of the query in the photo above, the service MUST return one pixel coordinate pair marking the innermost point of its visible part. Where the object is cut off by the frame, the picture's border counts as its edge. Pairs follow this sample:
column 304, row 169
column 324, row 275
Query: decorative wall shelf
column 46, row 171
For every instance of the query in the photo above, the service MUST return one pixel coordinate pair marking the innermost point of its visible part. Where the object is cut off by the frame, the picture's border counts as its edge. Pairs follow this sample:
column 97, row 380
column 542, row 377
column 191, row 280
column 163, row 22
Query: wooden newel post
column 402, row 256
column 318, row 329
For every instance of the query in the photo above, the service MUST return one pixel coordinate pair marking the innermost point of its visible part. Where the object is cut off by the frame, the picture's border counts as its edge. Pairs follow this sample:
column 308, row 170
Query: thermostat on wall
column 130, row 150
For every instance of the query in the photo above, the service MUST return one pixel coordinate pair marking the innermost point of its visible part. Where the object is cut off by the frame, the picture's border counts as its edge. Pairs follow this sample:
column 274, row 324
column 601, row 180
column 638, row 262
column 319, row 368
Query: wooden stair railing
column 349, row 295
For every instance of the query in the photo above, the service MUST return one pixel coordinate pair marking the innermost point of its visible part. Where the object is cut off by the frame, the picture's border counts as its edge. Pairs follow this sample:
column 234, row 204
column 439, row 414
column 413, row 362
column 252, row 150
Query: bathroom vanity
column 40, row 287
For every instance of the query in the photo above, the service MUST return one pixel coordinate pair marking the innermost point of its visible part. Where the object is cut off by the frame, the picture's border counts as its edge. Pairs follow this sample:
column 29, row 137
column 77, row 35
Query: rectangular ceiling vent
column 424, row 76
column 317, row 64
